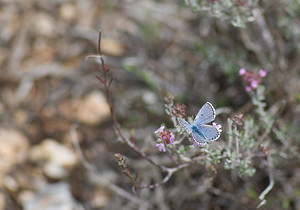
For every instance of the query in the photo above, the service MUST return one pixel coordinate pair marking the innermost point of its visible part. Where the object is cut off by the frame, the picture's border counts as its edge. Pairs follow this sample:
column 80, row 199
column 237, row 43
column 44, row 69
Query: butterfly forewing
column 205, row 115
column 209, row 132
column 187, row 126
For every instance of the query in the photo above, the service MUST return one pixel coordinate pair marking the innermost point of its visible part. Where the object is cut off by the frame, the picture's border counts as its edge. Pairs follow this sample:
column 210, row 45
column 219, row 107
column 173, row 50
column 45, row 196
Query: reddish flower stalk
column 106, row 80
column 122, row 163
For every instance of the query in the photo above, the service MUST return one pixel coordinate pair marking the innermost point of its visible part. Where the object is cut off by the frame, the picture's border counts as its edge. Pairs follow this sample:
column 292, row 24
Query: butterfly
column 201, row 132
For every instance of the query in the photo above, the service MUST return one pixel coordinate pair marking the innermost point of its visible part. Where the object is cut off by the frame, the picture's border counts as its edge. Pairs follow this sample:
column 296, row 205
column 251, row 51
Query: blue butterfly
column 201, row 132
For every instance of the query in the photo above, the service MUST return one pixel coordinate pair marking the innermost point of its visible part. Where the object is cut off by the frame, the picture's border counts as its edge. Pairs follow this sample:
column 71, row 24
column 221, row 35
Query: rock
column 68, row 11
column 93, row 109
column 13, row 150
column 55, row 171
column 50, row 197
column 100, row 198
column 55, row 158
column 112, row 47
column 25, row 196
column 52, row 151
column 44, row 24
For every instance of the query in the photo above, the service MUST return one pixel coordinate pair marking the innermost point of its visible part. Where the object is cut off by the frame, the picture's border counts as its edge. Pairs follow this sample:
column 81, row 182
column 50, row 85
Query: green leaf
column 251, row 193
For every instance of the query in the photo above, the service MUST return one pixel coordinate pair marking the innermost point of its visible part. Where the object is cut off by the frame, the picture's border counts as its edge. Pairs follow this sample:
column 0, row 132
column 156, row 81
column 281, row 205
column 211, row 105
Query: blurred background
column 153, row 48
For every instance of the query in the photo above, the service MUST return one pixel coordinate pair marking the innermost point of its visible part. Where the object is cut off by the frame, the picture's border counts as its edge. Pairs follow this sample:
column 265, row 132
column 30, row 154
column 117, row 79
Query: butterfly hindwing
column 209, row 132
column 199, row 138
column 187, row 126
column 205, row 115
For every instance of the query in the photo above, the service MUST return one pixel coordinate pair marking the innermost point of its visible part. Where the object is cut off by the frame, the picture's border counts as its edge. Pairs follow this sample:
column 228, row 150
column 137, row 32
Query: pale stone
column 44, row 24
column 51, row 197
column 68, row 11
column 55, row 171
column 55, row 158
column 25, row 196
column 13, row 150
column 93, row 109
column 100, row 198
column 51, row 151
column 112, row 47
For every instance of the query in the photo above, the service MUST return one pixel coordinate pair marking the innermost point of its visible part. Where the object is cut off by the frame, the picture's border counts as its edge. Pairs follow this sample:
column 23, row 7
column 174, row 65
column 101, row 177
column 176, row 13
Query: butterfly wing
column 209, row 132
column 198, row 137
column 205, row 115
column 187, row 126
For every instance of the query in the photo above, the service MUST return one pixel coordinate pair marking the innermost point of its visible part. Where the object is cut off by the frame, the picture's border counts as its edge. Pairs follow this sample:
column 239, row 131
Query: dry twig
column 106, row 80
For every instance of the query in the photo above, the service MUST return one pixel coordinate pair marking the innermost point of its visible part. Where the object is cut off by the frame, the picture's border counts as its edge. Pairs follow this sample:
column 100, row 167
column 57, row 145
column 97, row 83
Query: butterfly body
column 199, row 130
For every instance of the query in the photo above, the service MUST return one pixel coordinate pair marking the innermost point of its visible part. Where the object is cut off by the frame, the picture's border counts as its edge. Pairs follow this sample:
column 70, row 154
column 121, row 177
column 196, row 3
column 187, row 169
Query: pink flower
column 254, row 84
column 196, row 144
column 165, row 135
column 262, row 73
column 172, row 138
column 242, row 71
column 217, row 126
column 160, row 129
column 248, row 88
column 161, row 147
column 251, row 79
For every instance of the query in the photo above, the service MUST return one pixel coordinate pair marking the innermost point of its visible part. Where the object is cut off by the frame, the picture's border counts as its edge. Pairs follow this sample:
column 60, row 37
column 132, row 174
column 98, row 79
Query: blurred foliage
column 238, row 12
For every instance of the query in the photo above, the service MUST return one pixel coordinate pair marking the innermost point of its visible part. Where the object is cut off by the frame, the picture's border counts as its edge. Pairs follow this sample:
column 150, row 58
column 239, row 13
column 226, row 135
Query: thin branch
column 106, row 80
column 74, row 138
column 269, row 187
column 170, row 173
